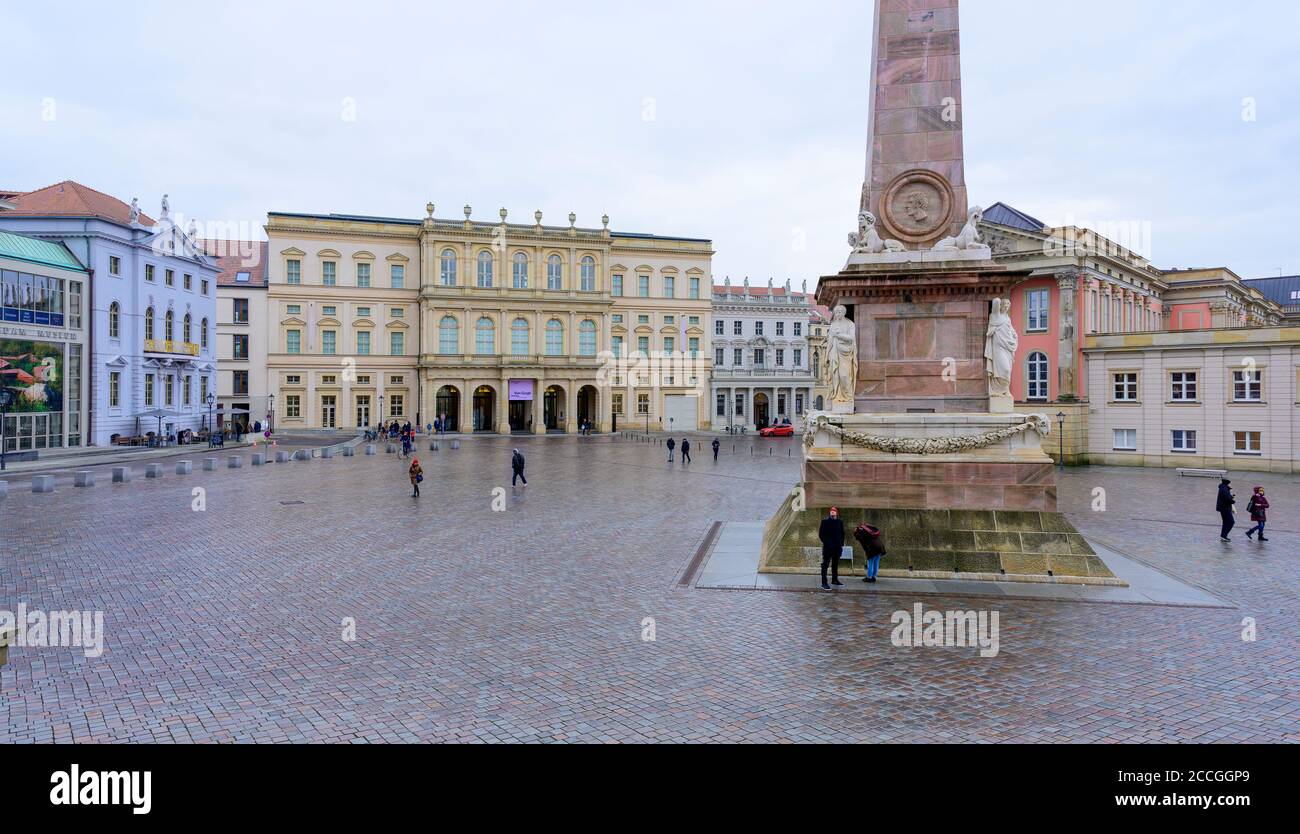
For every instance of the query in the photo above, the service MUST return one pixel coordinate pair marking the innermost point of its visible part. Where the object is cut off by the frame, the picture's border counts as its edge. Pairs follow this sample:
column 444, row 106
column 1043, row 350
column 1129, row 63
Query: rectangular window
column 798, row 403
column 780, row 328
column 293, row 380
column 293, row 406
column 1247, row 386
column 738, row 357
column 798, row 328
column 168, row 393
column 363, row 343
column 1126, row 387
column 643, row 286
column 241, row 383
column 642, row 319
column 114, row 389
column 329, row 312
column 759, row 357
column 397, row 274
column 293, row 342
column 670, row 286
column 719, row 357
column 616, row 403
column 695, row 288
column 148, row 272
column 241, row 310
column 203, row 286
column 1126, row 440
column 618, row 286
column 693, row 345
column 187, row 281
column 758, row 328
column 780, row 362
column 1249, row 442
column 328, row 340
column 643, row 344
column 1183, row 386
column 618, row 346
column 669, row 344
column 396, row 405
column 293, row 310
column 396, row 312
column 740, row 405
column 397, row 344
column 1184, row 441
column 642, row 403
column 719, row 327
column 363, row 312
column 363, row 275
column 722, row 405
column 738, row 329
column 798, row 358
column 203, row 389
column 1039, row 302
column 329, row 379
column 293, row 271
column 114, row 265
column 329, row 274
column 169, row 277
column 148, row 389
column 239, row 347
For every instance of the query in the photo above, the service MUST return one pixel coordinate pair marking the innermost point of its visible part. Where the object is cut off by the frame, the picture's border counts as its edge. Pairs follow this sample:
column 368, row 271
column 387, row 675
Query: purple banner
column 521, row 390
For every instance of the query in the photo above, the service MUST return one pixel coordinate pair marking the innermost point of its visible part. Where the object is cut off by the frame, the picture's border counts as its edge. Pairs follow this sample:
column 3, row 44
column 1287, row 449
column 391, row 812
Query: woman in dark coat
column 1258, row 509
column 872, row 540
column 832, row 539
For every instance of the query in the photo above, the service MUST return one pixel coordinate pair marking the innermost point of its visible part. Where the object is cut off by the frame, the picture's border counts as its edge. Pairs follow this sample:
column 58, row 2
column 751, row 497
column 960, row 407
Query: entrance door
column 327, row 409
column 551, row 404
column 587, row 406
column 760, row 411
column 484, row 409
column 363, row 412
column 447, row 404
column 518, row 415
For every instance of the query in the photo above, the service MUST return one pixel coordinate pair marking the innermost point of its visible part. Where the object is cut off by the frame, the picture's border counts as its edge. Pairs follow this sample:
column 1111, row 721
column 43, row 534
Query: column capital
column 1067, row 278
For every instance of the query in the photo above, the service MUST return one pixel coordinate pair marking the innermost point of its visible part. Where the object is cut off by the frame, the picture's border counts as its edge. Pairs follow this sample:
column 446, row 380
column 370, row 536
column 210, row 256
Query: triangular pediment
column 294, row 321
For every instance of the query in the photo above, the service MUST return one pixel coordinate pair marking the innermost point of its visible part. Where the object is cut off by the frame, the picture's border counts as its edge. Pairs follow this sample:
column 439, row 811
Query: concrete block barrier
column 121, row 474
column 370, row 449
column 259, row 459
column 84, row 478
column 210, row 464
column 302, row 455
column 42, row 483
column 281, row 457
column 153, row 470
column 349, row 451
column 235, row 462
column 392, row 448
column 433, row 447
column 184, row 467
column 326, row 453
column 455, row 444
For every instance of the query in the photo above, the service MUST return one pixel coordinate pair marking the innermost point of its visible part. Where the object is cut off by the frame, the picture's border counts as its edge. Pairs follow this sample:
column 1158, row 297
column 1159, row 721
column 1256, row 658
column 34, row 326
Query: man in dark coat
column 716, row 446
column 672, row 444
column 1224, row 507
column 686, row 450
column 517, row 464
column 832, row 538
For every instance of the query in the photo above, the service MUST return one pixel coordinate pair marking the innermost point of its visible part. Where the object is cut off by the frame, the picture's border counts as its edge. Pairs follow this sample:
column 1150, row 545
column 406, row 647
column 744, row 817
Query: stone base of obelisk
column 984, row 513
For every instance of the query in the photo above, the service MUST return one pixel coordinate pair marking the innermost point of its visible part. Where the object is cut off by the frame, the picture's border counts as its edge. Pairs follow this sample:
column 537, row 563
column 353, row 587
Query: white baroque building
column 761, row 356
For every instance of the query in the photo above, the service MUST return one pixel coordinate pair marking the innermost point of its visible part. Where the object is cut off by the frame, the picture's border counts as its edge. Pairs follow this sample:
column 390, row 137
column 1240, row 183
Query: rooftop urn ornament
column 428, row 208
column 468, row 211
column 605, row 221
column 573, row 219
column 135, row 211
column 503, row 216
column 537, row 215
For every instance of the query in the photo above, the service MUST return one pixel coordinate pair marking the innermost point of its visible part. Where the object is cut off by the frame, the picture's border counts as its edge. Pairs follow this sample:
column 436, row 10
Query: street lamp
column 1060, row 425
column 6, row 397
column 270, row 413
column 212, row 419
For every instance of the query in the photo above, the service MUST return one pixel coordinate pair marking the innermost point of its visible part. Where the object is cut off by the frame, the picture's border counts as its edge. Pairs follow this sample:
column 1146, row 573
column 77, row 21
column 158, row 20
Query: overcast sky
column 743, row 122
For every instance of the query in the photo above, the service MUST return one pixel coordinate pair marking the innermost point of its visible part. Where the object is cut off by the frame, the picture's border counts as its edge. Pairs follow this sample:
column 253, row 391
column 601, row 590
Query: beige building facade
column 1216, row 399
column 498, row 327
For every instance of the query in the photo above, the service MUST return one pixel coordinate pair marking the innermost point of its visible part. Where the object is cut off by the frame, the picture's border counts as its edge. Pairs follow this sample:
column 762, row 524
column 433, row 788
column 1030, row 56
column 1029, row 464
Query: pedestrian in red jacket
column 1258, row 509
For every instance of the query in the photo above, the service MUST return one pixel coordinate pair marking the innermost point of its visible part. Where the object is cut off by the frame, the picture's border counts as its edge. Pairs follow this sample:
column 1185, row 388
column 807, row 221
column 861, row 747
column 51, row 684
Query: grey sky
column 743, row 122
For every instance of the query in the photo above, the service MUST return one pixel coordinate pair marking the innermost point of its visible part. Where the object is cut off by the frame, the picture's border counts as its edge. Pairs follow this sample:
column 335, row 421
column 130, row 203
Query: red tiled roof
column 738, row 289
column 72, row 199
column 236, row 256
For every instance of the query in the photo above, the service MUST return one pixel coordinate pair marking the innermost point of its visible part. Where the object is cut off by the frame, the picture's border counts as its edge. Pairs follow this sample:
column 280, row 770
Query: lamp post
column 212, row 419
column 6, row 397
column 1060, row 428
column 270, row 415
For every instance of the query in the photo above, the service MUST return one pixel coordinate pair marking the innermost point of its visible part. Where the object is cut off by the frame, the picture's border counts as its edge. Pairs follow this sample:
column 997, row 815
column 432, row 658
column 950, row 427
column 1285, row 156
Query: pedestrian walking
column 672, row 444
column 717, row 444
column 686, row 451
column 872, row 540
column 416, row 474
column 1224, row 507
column 832, row 538
column 517, row 464
column 1258, row 509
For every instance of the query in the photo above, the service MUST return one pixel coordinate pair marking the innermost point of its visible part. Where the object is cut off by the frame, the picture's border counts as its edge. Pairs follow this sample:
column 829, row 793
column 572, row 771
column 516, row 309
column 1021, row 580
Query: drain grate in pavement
column 688, row 576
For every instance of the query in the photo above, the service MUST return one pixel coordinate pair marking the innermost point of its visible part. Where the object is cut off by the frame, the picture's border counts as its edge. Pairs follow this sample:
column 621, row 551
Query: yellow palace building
column 501, row 327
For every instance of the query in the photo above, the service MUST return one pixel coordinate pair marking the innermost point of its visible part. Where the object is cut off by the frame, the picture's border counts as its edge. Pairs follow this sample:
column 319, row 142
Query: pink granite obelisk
column 915, row 181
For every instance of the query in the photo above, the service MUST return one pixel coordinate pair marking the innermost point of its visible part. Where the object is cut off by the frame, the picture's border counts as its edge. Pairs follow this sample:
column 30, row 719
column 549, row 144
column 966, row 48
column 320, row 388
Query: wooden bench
column 1203, row 473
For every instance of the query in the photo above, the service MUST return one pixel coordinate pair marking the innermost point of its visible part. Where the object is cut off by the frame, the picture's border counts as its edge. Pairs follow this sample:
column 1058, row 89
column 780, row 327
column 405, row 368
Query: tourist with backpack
column 1258, row 509
column 872, row 540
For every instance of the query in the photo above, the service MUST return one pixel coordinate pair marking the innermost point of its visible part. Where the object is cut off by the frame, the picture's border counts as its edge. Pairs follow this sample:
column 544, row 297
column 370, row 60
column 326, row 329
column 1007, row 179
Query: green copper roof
column 38, row 251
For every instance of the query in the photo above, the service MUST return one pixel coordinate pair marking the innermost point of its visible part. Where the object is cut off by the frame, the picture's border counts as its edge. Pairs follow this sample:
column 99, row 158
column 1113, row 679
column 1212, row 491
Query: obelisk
column 915, row 181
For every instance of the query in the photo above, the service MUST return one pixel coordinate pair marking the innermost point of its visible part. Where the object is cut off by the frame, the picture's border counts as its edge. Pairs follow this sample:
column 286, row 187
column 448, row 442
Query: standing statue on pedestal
column 1000, row 356
column 842, row 362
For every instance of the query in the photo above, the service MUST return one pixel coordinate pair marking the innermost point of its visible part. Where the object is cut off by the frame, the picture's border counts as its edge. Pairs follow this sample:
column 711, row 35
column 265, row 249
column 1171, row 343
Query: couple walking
column 872, row 540
column 686, row 450
column 1258, row 508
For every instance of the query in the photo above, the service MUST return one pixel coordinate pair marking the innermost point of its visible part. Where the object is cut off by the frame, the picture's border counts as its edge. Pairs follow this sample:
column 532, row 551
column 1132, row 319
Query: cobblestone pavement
column 527, row 624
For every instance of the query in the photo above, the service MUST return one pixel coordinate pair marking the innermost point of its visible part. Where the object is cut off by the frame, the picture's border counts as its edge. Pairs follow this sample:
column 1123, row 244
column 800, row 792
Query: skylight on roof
column 242, row 276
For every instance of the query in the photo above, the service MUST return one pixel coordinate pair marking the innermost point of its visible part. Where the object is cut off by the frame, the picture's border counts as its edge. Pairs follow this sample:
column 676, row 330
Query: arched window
column 554, row 338
column 519, row 271
column 485, row 337
column 203, row 334
column 1036, row 376
column 821, row 404
column 519, row 337
column 114, row 321
column 588, row 276
column 185, row 329
column 587, row 338
column 555, row 273
column 817, row 368
column 169, row 326
column 485, row 268
column 447, row 268
column 448, row 336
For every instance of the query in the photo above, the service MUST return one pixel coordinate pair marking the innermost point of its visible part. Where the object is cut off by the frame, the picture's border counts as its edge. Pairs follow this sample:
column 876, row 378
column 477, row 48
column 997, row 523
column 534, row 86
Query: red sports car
column 777, row 431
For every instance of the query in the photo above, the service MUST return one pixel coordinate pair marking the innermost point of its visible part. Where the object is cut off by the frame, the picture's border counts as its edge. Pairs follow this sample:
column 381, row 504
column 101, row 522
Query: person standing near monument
column 1224, row 507
column 842, row 361
column 832, row 539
